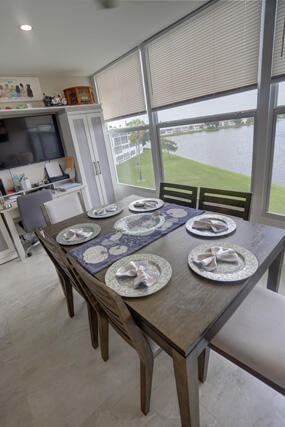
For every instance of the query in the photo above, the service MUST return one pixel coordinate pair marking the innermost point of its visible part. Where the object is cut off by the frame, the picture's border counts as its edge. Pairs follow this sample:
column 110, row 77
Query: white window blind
column 215, row 51
column 278, row 60
column 120, row 88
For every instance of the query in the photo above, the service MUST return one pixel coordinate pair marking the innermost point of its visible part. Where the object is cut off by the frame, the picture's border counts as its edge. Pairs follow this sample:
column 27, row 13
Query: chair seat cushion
column 255, row 335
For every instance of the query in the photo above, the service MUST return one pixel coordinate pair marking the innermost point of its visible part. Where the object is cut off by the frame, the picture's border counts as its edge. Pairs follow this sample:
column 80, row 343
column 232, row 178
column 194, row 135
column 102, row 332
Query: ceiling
column 78, row 37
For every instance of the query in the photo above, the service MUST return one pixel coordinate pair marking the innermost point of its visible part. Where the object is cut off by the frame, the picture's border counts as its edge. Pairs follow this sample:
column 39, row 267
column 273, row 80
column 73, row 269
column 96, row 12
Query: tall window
column 277, row 187
column 121, row 92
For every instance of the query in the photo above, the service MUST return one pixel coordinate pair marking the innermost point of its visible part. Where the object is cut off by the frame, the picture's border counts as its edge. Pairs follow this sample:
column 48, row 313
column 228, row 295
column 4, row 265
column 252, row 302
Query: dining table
column 184, row 316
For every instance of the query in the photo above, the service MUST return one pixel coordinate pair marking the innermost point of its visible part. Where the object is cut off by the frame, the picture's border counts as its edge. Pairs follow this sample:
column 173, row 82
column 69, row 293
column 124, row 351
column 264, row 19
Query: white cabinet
column 85, row 140
column 7, row 250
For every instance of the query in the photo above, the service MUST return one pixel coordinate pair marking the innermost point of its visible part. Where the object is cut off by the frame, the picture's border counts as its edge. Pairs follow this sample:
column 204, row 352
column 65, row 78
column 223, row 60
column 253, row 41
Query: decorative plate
column 78, row 233
column 226, row 221
column 226, row 271
column 139, row 224
column 146, row 205
column 105, row 211
column 124, row 286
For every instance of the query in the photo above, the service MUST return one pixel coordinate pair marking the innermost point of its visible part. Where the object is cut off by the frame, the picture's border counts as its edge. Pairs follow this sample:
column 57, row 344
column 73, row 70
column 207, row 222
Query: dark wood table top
column 185, row 315
column 189, row 308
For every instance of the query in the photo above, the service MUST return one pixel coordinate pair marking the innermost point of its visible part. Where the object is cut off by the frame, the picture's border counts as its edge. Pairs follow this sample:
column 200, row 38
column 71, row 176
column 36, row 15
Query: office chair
column 29, row 206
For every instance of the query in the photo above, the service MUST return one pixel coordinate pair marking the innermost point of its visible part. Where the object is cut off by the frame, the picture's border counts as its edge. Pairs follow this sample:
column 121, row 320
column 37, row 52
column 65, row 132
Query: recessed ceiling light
column 25, row 27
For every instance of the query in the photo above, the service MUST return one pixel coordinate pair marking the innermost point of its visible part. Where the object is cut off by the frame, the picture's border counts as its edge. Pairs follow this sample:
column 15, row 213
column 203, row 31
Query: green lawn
column 184, row 171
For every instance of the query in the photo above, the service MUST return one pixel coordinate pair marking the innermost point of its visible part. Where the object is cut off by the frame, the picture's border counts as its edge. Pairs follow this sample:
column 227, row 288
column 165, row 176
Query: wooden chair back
column 180, row 194
column 69, row 281
column 236, row 203
column 112, row 310
column 57, row 256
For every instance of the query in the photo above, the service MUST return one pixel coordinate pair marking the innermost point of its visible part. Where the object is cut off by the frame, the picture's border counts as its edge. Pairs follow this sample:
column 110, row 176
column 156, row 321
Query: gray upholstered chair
column 254, row 338
column 29, row 206
column 61, row 208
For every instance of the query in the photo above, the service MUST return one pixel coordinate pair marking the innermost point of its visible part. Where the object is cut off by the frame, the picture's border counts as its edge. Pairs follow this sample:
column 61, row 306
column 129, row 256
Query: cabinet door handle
column 98, row 167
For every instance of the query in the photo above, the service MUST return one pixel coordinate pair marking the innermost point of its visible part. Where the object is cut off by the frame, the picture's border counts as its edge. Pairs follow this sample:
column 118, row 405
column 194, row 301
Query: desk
column 12, row 213
column 186, row 314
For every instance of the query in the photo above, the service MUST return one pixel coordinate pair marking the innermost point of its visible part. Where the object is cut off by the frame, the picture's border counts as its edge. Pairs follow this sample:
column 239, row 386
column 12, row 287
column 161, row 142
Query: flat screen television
column 27, row 140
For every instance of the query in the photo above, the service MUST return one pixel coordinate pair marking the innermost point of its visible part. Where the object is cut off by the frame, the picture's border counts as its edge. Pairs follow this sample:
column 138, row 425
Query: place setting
column 105, row 211
column 138, row 275
column 145, row 205
column 78, row 233
column 210, row 225
column 222, row 262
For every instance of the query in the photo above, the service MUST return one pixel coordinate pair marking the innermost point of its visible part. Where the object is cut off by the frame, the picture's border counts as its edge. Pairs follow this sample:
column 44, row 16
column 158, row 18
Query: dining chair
column 61, row 208
column 254, row 338
column 180, row 194
column 236, row 203
column 68, row 282
column 112, row 310
column 31, row 216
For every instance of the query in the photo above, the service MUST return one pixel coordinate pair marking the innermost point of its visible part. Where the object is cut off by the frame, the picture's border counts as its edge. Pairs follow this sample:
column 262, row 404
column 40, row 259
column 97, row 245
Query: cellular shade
column 278, row 60
column 120, row 88
column 214, row 51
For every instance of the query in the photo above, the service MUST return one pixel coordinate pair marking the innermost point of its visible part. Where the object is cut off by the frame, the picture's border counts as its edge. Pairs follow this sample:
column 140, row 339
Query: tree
column 168, row 145
column 138, row 138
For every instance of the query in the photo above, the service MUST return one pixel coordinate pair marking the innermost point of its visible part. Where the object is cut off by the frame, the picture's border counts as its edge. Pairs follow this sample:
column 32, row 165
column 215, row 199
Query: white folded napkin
column 145, row 204
column 141, row 273
column 106, row 209
column 111, row 208
column 210, row 224
column 208, row 260
column 76, row 233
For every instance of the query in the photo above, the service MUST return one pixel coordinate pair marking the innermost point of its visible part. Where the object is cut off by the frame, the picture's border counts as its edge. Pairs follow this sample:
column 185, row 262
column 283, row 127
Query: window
column 241, row 101
column 211, row 154
column 214, row 51
column 131, row 151
column 277, row 189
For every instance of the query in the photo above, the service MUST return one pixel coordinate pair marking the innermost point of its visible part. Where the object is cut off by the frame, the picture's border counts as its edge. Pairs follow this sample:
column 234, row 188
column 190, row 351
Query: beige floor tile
column 52, row 377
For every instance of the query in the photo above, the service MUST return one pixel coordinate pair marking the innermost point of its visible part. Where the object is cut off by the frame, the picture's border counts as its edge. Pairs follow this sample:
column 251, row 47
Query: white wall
column 52, row 86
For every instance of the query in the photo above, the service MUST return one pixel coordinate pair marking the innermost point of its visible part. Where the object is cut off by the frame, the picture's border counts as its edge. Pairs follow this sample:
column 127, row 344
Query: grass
column 185, row 171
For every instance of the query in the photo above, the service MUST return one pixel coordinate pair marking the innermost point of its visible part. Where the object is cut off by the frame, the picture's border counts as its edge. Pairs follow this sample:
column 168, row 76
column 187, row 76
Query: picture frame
column 20, row 89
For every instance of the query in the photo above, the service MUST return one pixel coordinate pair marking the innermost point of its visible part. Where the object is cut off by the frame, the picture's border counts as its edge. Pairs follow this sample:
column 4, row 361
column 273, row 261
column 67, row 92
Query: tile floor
column 51, row 376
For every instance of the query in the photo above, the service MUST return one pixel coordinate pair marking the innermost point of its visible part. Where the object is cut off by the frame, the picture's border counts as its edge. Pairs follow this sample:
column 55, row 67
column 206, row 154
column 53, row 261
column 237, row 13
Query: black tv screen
column 26, row 140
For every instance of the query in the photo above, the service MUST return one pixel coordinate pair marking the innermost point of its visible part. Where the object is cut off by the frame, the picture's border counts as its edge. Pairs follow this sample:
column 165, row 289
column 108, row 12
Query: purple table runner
column 101, row 252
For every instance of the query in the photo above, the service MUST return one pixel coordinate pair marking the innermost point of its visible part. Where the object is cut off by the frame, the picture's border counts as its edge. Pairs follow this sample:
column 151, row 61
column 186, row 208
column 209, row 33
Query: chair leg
column 203, row 363
column 146, row 371
column 93, row 325
column 104, row 336
column 68, row 293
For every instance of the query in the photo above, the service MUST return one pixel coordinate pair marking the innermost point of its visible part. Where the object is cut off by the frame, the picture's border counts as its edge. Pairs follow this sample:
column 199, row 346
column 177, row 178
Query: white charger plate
column 225, row 272
column 229, row 222
column 124, row 286
column 147, row 205
column 92, row 213
column 88, row 227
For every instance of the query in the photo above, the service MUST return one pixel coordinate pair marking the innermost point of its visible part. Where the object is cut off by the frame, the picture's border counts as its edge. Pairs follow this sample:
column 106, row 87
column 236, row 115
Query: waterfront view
column 220, row 156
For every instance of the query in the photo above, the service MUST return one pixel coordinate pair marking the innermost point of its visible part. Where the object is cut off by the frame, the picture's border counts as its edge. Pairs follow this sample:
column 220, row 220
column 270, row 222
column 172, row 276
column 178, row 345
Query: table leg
column 274, row 272
column 14, row 235
column 187, row 385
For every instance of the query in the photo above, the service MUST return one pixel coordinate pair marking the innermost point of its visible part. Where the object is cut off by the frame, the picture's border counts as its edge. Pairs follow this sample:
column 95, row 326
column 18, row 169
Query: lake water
column 231, row 149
